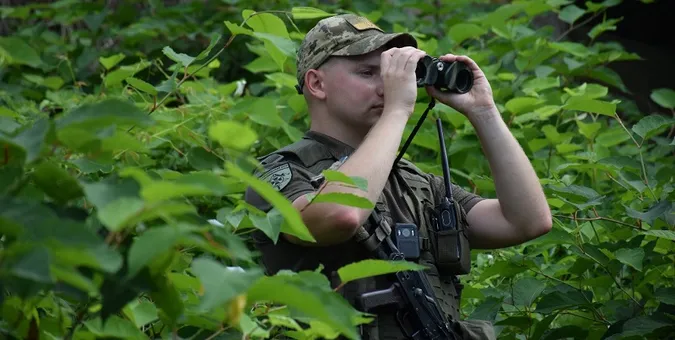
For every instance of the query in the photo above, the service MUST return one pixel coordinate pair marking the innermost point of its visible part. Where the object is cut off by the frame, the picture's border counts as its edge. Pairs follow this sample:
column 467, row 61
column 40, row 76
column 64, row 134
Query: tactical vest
column 316, row 157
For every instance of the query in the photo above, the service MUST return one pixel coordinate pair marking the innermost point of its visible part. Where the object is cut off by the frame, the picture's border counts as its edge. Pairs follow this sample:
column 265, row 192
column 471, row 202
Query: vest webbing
column 380, row 230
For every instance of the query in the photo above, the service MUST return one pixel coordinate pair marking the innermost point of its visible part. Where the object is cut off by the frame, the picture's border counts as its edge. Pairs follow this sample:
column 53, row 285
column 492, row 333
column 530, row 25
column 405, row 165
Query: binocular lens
column 464, row 80
column 447, row 77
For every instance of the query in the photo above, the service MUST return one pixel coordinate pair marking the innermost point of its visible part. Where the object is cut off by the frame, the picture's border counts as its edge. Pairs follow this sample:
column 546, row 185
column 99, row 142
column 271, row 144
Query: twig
column 598, row 219
column 572, row 27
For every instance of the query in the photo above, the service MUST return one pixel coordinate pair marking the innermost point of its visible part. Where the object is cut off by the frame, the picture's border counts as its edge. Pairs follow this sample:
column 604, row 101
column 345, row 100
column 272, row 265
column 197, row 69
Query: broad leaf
column 309, row 293
column 571, row 13
column 221, row 284
column 563, row 300
column 308, row 13
column 664, row 97
column 526, row 290
column 591, row 105
column 649, row 125
column 339, row 177
column 103, row 114
column 34, row 266
column 368, row 268
column 141, row 85
column 631, row 257
column 232, row 134
column 341, row 198
column 294, row 225
column 182, row 58
column 462, row 31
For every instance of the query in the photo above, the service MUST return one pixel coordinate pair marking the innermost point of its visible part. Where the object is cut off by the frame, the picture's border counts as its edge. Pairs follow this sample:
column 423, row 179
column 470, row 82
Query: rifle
column 419, row 314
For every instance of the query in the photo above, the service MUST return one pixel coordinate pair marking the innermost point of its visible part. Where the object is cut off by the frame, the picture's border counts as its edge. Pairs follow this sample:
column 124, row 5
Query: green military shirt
column 295, row 171
column 293, row 174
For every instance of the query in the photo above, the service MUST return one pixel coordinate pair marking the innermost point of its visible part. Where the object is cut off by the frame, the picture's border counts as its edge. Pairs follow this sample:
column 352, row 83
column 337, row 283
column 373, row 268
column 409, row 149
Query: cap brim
column 372, row 43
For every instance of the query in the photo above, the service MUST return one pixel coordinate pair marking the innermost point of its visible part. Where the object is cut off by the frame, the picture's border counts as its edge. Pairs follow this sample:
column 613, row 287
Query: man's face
column 353, row 87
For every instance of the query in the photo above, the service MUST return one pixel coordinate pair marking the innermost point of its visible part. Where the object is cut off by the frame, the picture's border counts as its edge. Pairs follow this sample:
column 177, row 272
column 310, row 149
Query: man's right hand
column 397, row 68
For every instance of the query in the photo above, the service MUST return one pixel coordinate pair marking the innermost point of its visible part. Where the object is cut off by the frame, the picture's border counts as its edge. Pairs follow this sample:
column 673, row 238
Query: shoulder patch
column 278, row 176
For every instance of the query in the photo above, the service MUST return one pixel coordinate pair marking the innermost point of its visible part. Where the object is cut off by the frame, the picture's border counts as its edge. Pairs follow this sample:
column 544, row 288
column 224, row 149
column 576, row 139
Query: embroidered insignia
column 362, row 24
column 279, row 177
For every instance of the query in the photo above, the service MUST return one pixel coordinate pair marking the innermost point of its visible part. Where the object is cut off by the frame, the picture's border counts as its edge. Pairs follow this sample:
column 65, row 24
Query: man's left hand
column 475, row 102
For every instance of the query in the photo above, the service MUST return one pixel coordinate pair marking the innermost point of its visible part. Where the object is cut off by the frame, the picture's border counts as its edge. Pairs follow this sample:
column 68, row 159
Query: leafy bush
column 129, row 132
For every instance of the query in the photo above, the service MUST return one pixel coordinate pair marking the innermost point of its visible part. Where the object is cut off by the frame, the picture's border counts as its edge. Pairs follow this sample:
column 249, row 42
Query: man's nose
column 379, row 88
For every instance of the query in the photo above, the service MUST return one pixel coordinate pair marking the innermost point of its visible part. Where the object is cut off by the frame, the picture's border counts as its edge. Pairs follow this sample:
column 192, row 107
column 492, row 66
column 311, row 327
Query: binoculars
column 447, row 77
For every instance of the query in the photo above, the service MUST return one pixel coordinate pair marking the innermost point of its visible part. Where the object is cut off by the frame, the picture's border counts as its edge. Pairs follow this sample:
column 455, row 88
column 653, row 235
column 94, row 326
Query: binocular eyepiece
column 445, row 76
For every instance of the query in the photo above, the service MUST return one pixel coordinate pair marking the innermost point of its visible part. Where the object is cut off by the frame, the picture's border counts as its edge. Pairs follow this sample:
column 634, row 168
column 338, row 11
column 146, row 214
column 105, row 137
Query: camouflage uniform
column 408, row 196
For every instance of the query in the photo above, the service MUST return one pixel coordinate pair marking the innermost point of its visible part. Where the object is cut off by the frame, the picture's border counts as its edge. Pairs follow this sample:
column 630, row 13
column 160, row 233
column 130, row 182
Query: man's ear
column 314, row 83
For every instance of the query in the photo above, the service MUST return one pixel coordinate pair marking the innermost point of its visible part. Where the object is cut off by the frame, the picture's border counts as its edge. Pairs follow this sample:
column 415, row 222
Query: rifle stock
column 418, row 312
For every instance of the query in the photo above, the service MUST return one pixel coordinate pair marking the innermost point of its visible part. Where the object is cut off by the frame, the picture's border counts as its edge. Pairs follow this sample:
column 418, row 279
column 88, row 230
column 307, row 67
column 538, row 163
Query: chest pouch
column 449, row 241
column 447, row 233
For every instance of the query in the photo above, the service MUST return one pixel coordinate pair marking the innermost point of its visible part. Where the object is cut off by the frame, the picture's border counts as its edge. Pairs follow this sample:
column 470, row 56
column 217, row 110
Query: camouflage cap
column 343, row 35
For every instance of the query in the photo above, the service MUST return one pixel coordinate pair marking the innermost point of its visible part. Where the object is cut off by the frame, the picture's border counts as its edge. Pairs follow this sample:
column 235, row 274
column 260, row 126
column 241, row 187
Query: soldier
column 360, row 86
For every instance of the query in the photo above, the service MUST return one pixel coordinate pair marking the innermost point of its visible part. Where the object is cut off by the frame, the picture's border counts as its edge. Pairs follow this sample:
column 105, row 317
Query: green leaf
column 143, row 312
column 589, row 130
column 270, row 224
column 99, row 257
column 17, row 51
column 107, row 112
column 215, row 38
column 655, row 211
column 72, row 277
column 265, row 23
column 56, row 182
column 33, row 139
column 308, row 13
column 310, row 294
column 650, row 125
column 295, row 225
column 664, row 97
column 164, row 190
column 591, row 105
column 103, row 192
column 232, row 134
column 642, row 326
column 462, row 31
column 666, row 234
column 34, row 266
column 342, row 198
column 237, row 29
column 520, row 105
column 612, row 137
column 571, row 13
column 282, row 47
column 607, row 25
column 367, row 268
column 111, row 61
column 115, row 327
column 180, row 58
column 526, row 290
column 665, row 295
column 167, row 298
column 141, row 85
column 631, row 257
column 151, row 244
column 563, row 300
column 118, row 214
column 575, row 49
column 221, row 284
column 340, row 177
column 534, row 85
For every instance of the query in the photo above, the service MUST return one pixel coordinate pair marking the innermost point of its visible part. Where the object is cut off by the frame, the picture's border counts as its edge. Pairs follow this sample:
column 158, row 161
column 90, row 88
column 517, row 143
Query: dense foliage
column 129, row 131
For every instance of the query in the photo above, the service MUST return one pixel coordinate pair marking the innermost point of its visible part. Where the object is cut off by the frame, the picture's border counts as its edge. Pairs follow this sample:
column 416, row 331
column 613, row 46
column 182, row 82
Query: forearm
column 332, row 223
column 520, row 194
